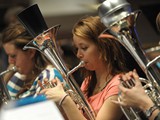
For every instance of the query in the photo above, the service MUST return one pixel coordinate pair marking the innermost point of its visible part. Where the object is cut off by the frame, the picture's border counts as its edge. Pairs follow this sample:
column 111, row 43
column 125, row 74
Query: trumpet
column 4, row 94
column 45, row 42
column 120, row 21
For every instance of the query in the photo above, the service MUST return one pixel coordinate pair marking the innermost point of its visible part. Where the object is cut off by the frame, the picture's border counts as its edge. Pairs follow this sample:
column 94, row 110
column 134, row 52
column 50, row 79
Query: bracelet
column 149, row 112
column 62, row 99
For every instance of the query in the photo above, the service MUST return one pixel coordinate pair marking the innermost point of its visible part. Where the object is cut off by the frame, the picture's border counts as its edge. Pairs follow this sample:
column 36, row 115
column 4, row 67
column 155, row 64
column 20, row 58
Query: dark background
column 145, row 25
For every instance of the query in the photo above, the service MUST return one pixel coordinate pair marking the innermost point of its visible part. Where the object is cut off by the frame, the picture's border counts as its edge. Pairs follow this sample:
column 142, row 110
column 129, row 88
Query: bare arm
column 109, row 110
column 71, row 110
column 57, row 94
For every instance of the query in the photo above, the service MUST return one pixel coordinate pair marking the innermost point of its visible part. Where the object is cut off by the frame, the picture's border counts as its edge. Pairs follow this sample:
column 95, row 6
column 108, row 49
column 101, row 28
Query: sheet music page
column 46, row 110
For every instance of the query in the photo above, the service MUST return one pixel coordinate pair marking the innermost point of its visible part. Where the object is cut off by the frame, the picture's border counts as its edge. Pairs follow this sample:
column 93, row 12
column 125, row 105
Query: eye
column 12, row 56
column 84, row 48
column 81, row 48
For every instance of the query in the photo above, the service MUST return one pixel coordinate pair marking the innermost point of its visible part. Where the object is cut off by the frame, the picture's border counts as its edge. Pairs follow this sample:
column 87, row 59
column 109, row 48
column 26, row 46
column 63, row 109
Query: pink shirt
column 96, row 101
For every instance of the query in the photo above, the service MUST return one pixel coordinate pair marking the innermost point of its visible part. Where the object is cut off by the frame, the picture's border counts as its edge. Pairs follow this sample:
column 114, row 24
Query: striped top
column 17, row 81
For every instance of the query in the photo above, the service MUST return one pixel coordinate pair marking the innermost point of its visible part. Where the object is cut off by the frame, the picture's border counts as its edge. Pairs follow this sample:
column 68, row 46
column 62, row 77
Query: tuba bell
column 45, row 42
column 120, row 21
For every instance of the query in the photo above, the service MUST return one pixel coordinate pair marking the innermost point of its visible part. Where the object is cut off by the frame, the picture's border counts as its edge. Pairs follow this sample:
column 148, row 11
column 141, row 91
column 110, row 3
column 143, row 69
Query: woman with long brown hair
column 104, row 62
column 31, row 64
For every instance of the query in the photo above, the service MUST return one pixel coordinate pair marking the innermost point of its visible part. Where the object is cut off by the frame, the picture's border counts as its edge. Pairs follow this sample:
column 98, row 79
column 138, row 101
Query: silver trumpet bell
column 45, row 42
column 120, row 21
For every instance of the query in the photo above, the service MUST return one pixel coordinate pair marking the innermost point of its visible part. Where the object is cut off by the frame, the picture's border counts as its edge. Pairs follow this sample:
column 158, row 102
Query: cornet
column 4, row 94
column 119, row 19
column 45, row 42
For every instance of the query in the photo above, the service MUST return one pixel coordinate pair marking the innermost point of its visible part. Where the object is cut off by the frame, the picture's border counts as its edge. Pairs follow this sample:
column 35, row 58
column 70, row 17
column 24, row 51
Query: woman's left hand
column 133, row 96
column 55, row 93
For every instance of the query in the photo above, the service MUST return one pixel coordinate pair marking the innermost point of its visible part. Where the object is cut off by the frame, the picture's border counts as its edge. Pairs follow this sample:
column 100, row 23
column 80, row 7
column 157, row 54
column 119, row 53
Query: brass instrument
column 48, row 84
column 120, row 21
column 153, row 54
column 45, row 42
column 4, row 94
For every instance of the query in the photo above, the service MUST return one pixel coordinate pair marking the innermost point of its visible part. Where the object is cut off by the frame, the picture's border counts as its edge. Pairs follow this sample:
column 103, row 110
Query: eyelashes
column 75, row 49
column 12, row 56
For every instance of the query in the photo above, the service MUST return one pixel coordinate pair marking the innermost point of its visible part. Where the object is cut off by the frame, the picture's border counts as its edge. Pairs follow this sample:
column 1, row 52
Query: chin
column 89, row 68
column 21, row 72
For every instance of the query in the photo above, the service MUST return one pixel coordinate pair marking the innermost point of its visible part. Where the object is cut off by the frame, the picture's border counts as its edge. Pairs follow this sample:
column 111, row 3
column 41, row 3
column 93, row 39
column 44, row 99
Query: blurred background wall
column 67, row 12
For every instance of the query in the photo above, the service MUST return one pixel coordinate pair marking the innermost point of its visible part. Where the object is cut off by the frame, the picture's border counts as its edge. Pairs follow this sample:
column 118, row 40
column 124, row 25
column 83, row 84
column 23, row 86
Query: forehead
column 10, row 48
column 79, row 40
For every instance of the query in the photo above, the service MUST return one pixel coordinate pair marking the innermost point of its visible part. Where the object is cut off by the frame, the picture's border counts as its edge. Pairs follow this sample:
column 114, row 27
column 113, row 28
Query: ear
column 31, row 53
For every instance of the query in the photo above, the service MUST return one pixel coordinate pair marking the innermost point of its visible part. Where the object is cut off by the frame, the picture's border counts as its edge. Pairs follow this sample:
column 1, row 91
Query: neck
column 102, row 80
column 32, row 74
column 102, row 74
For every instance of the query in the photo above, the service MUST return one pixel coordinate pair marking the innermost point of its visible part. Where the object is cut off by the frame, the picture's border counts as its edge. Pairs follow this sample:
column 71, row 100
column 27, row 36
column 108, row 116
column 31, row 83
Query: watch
column 149, row 112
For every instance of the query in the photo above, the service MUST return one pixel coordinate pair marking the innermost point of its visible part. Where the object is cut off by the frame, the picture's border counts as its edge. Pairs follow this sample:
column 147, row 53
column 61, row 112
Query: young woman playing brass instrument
column 104, row 62
column 31, row 64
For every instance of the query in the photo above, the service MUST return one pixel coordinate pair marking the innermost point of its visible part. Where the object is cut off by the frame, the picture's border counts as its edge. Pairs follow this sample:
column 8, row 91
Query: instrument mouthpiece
column 81, row 64
column 14, row 68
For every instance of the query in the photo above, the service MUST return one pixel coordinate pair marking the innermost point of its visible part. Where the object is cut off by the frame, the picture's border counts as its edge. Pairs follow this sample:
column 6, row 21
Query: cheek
column 22, row 60
column 24, row 64
column 93, row 60
column 94, row 55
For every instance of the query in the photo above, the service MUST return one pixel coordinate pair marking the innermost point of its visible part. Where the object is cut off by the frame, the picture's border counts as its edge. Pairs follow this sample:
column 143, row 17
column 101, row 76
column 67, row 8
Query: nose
column 79, row 54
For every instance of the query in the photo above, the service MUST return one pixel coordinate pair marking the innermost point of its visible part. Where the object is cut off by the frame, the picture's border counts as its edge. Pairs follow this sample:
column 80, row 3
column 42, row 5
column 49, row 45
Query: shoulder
column 115, row 80
column 17, row 78
column 112, row 87
column 50, row 72
column 50, row 68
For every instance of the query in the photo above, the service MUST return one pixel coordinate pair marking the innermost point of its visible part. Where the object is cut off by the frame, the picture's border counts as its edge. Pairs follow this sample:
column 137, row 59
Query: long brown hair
column 158, row 21
column 90, row 28
column 17, row 34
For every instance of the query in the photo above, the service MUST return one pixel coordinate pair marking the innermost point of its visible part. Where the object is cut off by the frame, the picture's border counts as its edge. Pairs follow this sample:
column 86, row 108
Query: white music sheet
column 46, row 110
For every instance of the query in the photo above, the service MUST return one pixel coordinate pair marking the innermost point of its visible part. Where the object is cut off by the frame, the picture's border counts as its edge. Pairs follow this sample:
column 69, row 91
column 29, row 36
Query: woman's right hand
column 56, row 93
